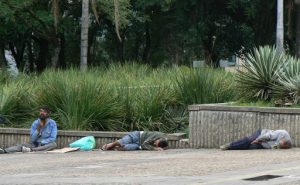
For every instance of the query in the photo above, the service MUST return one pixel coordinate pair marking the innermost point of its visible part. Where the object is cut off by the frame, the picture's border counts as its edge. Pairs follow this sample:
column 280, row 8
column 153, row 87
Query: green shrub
column 145, row 99
column 204, row 85
column 149, row 106
column 17, row 103
column 79, row 100
column 118, row 74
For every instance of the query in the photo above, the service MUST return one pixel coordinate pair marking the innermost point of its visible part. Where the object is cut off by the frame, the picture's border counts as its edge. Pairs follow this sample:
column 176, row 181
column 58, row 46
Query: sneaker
column 26, row 149
column 225, row 147
column 2, row 151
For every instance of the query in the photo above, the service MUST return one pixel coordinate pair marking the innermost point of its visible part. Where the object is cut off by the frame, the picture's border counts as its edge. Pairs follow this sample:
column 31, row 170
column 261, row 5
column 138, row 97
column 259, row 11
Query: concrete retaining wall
column 212, row 125
column 12, row 136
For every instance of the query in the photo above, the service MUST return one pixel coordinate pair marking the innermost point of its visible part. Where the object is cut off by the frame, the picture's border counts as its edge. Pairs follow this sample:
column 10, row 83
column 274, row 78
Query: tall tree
column 117, row 19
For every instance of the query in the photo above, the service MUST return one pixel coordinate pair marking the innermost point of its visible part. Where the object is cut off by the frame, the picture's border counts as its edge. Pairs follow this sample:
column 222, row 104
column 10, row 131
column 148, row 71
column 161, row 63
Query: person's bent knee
column 130, row 147
column 51, row 146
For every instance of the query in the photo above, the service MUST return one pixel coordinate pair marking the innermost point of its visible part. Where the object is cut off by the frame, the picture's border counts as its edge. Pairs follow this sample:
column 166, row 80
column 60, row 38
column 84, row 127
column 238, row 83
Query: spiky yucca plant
column 259, row 73
column 288, row 86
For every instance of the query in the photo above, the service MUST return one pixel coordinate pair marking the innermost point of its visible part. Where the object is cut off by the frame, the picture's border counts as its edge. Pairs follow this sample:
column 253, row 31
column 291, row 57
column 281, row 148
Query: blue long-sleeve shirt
column 47, row 133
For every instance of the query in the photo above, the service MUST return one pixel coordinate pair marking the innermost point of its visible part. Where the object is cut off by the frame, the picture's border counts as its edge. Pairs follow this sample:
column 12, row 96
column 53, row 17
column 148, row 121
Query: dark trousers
column 245, row 142
column 18, row 147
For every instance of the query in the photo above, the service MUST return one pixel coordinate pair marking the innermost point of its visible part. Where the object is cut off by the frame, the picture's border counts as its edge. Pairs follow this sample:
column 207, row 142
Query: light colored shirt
column 270, row 138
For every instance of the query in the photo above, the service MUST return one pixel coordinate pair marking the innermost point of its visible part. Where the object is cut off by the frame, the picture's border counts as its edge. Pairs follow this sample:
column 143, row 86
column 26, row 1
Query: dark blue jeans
column 131, row 141
column 245, row 142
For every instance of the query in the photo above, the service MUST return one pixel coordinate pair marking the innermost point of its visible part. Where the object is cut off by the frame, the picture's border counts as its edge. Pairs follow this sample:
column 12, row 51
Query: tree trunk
column 290, row 7
column 61, row 57
column 3, row 63
column 279, row 27
column 84, row 34
column 55, row 56
column 148, row 44
column 41, row 62
column 120, row 48
column 31, row 59
column 136, row 48
column 17, row 51
column 176, row 58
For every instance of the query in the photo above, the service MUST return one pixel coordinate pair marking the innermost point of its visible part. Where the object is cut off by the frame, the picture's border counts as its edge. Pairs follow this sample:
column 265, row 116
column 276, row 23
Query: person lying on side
column 139, row 140
column 261, row 139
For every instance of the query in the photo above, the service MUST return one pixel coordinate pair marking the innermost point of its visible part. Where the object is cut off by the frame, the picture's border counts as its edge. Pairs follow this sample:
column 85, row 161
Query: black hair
column 286, row 144
column 46, row 108
column 163, row 143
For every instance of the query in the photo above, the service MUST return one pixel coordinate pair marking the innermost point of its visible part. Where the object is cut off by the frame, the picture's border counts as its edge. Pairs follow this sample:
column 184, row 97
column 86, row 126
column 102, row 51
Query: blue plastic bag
column 85, row 143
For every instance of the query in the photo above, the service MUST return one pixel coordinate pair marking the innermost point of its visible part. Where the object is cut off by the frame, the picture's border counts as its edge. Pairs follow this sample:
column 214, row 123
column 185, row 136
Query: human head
column 284, row 144
column 44, row 112
column 161, row 142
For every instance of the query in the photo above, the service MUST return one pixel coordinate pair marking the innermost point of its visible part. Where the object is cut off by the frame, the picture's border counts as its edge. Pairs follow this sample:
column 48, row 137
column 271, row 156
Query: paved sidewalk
column 180, row 166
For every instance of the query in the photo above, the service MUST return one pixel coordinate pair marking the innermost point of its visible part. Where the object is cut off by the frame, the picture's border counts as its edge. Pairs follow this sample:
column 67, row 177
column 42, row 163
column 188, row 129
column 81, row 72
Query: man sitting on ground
column 139, row 140
column 42, row 135
column 261, row 139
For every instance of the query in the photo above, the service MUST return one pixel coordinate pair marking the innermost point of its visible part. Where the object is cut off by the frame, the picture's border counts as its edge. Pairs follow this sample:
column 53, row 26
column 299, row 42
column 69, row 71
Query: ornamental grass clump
column 80, row 101
column 204, row 85
column 17, row 103
column 145, row 98
column 120, row 74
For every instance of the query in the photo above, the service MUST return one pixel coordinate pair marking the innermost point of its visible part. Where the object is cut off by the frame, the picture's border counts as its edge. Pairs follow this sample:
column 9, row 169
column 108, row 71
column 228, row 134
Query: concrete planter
column 212, row 125
column 12, row 136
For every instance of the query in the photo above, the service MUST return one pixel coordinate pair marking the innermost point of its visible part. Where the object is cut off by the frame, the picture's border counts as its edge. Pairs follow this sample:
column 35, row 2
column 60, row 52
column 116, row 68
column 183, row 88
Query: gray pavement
column 180, row 166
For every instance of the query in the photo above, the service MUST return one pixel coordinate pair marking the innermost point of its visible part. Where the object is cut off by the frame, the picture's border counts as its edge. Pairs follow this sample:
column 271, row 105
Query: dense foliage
column 43, row 37
column 42, row 34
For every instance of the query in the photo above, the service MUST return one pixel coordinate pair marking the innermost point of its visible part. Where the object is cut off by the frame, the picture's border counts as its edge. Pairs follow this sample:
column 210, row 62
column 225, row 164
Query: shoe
column 25, row 149
column 225, row 147
column 2, row 151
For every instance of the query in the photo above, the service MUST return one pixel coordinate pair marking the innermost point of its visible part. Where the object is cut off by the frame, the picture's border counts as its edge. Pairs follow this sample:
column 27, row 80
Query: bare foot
column 104, row 147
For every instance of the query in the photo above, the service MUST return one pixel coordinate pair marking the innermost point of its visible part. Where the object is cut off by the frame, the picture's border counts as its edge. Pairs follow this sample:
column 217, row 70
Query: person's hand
column 158, row 149
column 255, row 142
column 39, row 126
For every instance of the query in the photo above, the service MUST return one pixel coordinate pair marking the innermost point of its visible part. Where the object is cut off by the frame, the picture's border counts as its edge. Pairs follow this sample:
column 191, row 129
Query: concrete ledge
column 212, row 125
column 226, row 107
column 11, row 136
